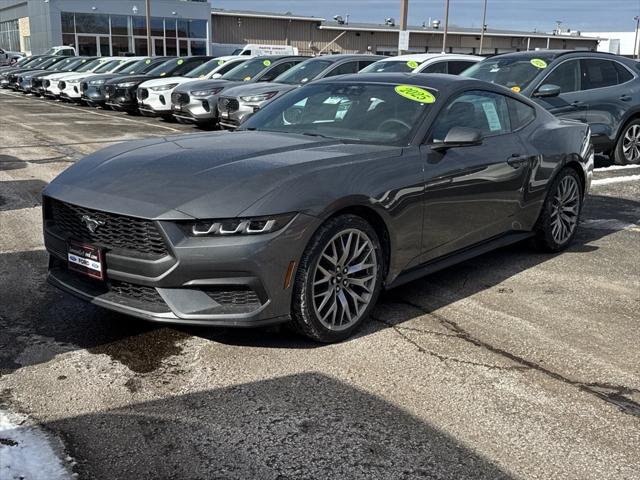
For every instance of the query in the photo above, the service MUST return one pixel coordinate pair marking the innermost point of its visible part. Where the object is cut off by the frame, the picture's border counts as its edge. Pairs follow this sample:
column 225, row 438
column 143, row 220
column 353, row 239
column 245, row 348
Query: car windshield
column 206, row 68
column 89, row 65
column 124, row 65
column 141, row 66
column 391, row 66
column 51, row 62
column 65, row 64
column 362, row 112
column 107, row 66
column 303, row 72
column 165, row 68
column 247, row 70
column 511, row 72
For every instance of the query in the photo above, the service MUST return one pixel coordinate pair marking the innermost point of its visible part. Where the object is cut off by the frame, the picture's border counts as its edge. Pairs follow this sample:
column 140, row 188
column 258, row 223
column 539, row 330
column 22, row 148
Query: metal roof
column 453, row 30
column 274, row 15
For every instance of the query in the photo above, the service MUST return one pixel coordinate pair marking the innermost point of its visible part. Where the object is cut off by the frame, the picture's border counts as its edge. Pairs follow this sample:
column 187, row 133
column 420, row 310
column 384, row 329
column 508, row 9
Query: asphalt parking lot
column 513, row 365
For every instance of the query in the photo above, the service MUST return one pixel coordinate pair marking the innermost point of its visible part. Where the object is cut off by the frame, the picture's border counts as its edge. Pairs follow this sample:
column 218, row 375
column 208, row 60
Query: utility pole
column 446, row 27
column 635, row 42
column 404, row 9
column 148, row 13
column 484, row 26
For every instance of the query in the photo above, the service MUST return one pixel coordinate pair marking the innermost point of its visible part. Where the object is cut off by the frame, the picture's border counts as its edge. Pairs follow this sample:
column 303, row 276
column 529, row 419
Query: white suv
column 154, row 96
column 451, row 63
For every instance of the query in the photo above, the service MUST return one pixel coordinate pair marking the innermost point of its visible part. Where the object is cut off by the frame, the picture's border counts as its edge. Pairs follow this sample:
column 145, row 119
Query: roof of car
column 431, row 80
column 347, row 56
column 555, row 54
column 278, row 57
column 422, row 57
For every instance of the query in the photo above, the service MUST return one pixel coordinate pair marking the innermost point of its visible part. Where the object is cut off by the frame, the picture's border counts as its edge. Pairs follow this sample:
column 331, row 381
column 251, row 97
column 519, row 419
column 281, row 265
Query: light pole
column 635, row 42
column 446, row 27
column 404, row 9
column 148, row 13
column 484, row 25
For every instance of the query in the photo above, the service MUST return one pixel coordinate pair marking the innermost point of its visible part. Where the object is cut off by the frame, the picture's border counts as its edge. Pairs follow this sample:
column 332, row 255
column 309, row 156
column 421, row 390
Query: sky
column 584, row 15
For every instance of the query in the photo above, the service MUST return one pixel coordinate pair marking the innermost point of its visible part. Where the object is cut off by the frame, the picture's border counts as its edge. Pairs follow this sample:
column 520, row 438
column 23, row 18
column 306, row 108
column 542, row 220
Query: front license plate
column 85, row 259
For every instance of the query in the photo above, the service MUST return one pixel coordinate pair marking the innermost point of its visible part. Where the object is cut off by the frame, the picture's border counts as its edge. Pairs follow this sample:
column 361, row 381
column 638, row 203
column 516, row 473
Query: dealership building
column 106, row 27
column 188, row 27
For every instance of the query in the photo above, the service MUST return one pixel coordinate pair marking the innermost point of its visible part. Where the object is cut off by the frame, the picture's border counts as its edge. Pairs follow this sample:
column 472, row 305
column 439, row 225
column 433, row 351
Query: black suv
column 600, row 89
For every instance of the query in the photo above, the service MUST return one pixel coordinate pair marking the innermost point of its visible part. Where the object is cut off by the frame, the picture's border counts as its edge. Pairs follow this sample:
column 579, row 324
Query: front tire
column 560, row 214
column 627, row 151
column 338, row 280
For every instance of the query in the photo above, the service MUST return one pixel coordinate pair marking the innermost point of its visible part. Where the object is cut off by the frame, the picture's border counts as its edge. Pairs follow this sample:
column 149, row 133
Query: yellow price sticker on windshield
column 147, row 61
column 412, row 64
column 538, row 63
column 266, row 63
column 201, row 76
column 416, row 94
column 246, row 79
column 180, row 62
column 516, row 89
column 163, row 74
column 220, row 62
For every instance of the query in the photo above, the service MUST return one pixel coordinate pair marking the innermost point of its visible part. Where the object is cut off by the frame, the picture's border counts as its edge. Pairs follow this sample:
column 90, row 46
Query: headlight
column 74, row 81
column 164, row 88
column 127, row 84
column 97, row 82
column 240, row 226
column 258, row 98
column 207, row 93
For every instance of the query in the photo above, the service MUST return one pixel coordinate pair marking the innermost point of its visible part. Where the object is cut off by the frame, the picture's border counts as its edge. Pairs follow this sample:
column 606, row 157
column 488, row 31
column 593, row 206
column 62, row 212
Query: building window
column 92, row 23
column 10, row 35
column 119, row 25
column 119, row 44
column 68, row 22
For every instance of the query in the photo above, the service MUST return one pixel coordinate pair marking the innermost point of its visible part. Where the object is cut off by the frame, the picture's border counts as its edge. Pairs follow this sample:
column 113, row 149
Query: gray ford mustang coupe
column 334, row 191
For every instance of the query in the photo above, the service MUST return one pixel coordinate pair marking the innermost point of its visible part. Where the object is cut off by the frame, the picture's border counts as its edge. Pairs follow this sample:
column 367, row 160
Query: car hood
column 206, row 85
column 76, row 75
column 258, row 88
column 131, row 78
column 56, row 75
column 208, row 175
column 155, row 82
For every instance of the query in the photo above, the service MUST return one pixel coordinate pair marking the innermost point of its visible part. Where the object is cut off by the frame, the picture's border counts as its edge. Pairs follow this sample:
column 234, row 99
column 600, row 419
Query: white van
column 259, row 49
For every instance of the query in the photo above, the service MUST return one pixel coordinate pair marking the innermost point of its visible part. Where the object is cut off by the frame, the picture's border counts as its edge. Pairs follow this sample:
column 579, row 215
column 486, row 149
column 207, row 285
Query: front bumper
column 92, row 94
column 227, row 281
column 123, row 99
column 71, row 92
column 200, row 110
column 153, row 104
column 232, row 112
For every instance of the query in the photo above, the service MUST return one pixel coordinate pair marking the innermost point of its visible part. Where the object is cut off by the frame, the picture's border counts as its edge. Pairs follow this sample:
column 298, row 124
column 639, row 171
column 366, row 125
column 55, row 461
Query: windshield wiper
column 310, row 134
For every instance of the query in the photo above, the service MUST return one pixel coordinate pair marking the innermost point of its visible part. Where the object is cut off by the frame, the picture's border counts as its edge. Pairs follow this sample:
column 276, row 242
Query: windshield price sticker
column 416, row 94
column 538, row 63
column 246, row 79
column 220, row 62
column 147, row 61
column 266, row 63
column 412, row 64
column 516, row 89
column 180, row 62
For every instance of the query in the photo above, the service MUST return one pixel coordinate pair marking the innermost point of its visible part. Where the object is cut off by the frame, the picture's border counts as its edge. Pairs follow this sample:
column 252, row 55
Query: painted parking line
column 616, row 167
column 92, row 112
column 607, row 181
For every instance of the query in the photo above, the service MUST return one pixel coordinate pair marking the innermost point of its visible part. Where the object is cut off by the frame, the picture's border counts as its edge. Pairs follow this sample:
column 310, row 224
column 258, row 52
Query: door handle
column 625, row 98
column 577, row 103
column 516, row 161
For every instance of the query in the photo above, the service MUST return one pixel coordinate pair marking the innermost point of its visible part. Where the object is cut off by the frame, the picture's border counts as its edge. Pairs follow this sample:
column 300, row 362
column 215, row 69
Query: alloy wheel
column 631, row 144
column 344, row 279
column 565, row 209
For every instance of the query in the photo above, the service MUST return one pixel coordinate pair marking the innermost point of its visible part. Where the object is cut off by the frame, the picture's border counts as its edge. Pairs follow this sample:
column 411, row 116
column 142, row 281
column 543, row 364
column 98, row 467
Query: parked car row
column 600, row 89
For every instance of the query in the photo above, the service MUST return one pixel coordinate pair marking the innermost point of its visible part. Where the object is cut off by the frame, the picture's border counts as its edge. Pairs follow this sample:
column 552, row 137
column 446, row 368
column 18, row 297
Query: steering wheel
column 393, row 121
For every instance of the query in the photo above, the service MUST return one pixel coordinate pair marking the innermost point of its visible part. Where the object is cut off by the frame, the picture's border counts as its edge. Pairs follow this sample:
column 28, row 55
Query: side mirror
column 548, row 90
column 459, row 137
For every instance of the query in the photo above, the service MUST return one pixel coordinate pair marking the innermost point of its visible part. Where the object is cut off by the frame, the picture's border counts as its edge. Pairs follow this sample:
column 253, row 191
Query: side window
column 566, row 76
column 624, row 75
column 345, row 68
column 484, row 111
column 225, row 68
column 456, row 67
column 598, row 73
column 275, row 71
column 188, row 66
column 438, row 67
column 521, row 113
column 365, row 63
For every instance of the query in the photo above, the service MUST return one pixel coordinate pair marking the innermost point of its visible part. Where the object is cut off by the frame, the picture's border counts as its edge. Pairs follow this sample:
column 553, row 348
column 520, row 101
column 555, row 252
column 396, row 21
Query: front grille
column 179, row 98
column 109, row 89
column 143, row 93
column 117, row 232
column 137, row 292
column 84, row 86
column 47, row 83
column 36, row 82
column 62, row 85
column 228, row 104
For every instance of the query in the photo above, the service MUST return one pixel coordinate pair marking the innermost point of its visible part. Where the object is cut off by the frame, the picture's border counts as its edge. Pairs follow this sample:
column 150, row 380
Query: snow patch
column 616, row 167
column 26, row 452
column 607, row 181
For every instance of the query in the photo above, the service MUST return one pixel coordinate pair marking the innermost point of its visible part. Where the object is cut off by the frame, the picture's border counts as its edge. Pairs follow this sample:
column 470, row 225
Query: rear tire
column 338, row 280
column 560, row 213
column 627, row 151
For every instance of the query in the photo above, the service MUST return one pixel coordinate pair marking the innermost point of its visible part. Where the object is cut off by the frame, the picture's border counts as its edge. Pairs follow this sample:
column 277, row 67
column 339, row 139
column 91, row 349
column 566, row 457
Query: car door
column 609, row 95
column 278, row 69
column 472, row 193
column 435, row 67
column 456, row 67
column 344, row 69
column 572, row 102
